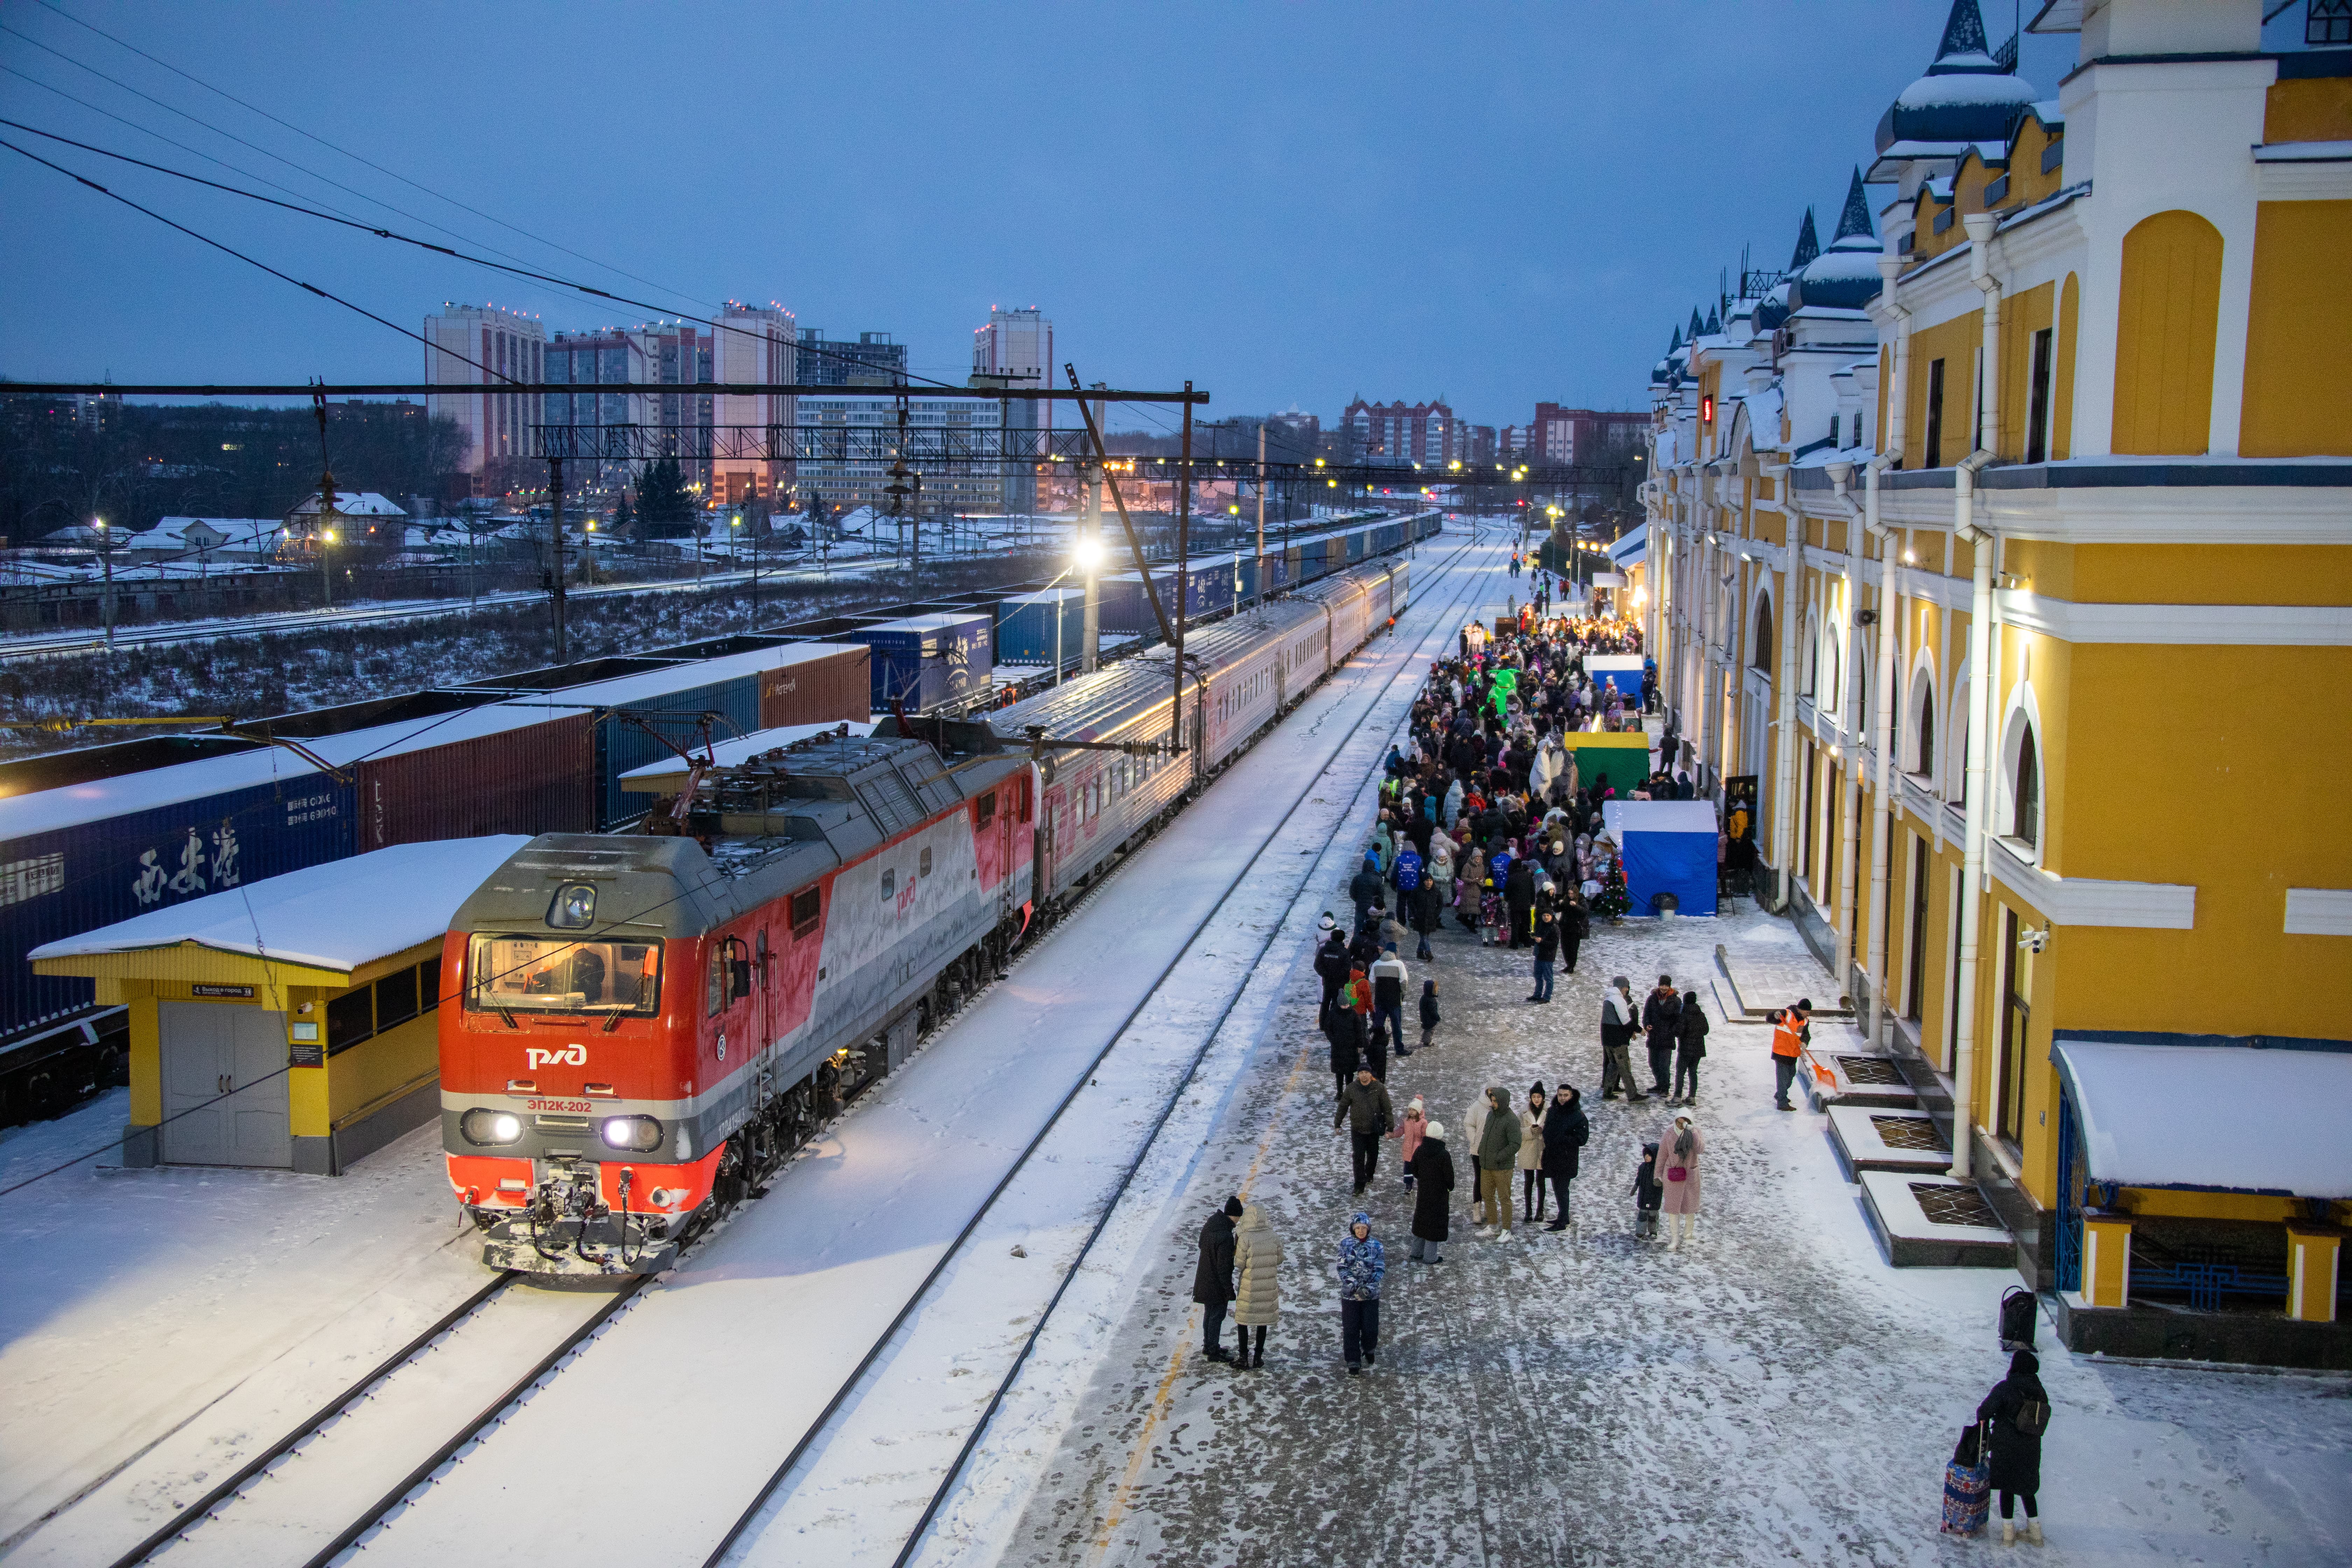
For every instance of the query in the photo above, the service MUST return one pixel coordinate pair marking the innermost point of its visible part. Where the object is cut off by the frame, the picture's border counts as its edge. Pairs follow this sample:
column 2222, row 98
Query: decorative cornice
column 2088, row 901
column 2319, row 912
column 2180, row 626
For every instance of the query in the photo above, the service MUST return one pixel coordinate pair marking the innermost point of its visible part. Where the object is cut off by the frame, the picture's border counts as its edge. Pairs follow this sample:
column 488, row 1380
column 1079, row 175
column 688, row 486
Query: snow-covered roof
column 341, row 915
column 624, row 689
column 1966, row 89
column 2211, row 1116
column 351, row 503
column 743, row 748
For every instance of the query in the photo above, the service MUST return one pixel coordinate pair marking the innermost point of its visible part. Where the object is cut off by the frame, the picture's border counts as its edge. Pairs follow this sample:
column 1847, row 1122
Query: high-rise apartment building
column 1559, row 434
column 754, row 344
column 1016, row 350
column 1404, row 433
column 874, row 360
column 471, row 349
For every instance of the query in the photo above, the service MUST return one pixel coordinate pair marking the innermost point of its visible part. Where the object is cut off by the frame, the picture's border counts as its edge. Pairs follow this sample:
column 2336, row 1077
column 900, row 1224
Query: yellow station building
column 2006, row 544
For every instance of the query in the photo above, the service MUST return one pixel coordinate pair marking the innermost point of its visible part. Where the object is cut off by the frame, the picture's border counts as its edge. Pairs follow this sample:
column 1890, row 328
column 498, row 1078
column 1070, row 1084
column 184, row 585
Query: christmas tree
column 1611, row 901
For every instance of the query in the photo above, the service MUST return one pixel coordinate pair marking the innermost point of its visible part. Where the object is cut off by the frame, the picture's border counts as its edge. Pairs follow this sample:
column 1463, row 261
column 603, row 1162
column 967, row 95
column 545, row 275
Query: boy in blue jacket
column 1363, row 1264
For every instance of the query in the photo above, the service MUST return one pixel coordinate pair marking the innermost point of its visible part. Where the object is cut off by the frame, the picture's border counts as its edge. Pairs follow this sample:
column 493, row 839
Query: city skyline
column 1247, row 278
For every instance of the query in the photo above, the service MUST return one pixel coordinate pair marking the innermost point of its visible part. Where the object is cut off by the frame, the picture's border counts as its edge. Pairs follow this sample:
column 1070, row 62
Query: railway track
column 329, row 1482
column 742, row 1534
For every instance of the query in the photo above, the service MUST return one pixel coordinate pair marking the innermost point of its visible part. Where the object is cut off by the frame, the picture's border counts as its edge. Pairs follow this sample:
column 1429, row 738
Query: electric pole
column 1183, row 553
column 555, row 527
column 1090, row 642
column 1261, row 513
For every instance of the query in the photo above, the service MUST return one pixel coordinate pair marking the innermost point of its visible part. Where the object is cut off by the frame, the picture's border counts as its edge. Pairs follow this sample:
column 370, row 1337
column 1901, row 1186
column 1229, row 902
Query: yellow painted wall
column 2317, row 110
column 2298, row 402
column 2168, row 309
column 2061, row 424
column 2207, row 574
column 2027, row 183
column 1955, row 342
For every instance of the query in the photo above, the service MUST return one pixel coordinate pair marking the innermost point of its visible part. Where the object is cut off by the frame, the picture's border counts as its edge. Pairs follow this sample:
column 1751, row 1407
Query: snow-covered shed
column 291, row 1022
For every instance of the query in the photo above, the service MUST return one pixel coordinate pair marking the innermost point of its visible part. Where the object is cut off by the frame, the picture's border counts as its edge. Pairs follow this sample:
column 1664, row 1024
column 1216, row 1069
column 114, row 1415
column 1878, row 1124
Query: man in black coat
column 1690, row 1049
column 1212, row 1278
column 1662, row 1012
column 1519, row 899
column 1343, row 1026
column 1330, row 964
column 1566, row 1130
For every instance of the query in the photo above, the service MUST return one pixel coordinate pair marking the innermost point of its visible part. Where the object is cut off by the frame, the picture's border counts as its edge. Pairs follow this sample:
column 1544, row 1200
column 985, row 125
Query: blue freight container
column 136, row 857
column 923, row 661
column 1025, row 625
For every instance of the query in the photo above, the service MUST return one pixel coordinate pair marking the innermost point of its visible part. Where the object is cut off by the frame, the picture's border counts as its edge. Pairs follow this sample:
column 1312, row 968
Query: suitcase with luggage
column 2018, row 1312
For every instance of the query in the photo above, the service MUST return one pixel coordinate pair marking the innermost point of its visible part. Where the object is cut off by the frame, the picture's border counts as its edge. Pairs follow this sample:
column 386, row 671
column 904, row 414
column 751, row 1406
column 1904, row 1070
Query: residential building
column 1481, row 443
column 474, row 348
column 847, row 452
column 755, row 344
column 1566, row 435
column 2014, row 575
column 1016, row 350
column 1404, row 433
column 1295, row 435
column 875, row 359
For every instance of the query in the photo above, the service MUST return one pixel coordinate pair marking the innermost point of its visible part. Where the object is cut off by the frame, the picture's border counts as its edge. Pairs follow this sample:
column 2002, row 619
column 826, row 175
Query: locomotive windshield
column 549, row 974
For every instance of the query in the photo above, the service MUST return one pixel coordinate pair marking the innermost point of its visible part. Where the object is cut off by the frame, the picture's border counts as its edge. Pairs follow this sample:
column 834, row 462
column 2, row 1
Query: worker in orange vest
column 1790, row 1035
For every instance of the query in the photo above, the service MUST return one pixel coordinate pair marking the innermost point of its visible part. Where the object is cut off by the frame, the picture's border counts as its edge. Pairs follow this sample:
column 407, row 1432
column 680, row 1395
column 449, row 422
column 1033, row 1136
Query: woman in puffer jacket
column 1257, row 1291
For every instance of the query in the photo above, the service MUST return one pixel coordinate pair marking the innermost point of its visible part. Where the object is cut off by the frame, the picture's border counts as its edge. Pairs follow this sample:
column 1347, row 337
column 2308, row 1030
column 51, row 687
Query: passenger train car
column 651, row 1021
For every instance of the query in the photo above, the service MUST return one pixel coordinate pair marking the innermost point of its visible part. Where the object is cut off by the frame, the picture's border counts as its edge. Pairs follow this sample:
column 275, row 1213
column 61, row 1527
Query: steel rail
column 202, row 1507
column 915, row 1300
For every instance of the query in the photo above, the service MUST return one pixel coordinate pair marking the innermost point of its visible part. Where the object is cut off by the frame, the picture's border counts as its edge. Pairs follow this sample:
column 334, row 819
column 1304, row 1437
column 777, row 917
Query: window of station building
column 2329, row 24
column 350, row 1018
column 395, row 999
column 2025, row 791
column 2037, row 401
column 1934, row 458
column 806, row 905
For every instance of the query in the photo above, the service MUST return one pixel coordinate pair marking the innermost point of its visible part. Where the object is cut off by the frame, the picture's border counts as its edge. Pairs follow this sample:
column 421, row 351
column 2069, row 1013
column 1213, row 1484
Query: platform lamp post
column 106, row 564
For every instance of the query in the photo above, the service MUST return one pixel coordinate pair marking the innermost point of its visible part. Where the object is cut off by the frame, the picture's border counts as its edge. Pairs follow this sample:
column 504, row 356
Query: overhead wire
column 357, row 158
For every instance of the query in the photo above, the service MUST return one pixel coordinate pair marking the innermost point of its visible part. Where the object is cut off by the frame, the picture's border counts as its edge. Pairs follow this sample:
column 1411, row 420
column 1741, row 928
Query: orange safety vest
column 1786, row 1041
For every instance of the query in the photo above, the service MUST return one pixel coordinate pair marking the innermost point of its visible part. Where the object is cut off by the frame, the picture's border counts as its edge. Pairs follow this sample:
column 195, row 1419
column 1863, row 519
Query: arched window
column 1763, row 651
column 2025, row 791
column 1919, row 741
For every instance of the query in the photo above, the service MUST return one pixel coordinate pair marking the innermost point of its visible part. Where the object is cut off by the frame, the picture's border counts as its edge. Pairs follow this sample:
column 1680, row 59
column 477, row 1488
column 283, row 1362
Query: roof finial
column 1697, row 326
column 1964, row 31
column 1809, row 244
column 1856, row 219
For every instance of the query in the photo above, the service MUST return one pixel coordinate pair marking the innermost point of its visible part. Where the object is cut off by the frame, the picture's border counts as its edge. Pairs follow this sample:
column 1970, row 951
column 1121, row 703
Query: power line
column 355, row 157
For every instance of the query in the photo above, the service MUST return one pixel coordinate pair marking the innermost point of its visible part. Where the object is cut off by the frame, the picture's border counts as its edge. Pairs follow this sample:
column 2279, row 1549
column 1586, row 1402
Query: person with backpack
column 2019, row 1409
column 1690, row 1048
column 1330, row 964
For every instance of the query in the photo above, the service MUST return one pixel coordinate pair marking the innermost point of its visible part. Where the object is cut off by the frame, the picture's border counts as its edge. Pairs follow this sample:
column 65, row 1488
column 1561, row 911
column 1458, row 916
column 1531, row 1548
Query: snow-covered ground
column 1774, row 1393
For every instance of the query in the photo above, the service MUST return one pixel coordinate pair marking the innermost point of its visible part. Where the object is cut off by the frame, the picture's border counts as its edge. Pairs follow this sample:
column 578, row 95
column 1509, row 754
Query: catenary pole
column 1184, row 564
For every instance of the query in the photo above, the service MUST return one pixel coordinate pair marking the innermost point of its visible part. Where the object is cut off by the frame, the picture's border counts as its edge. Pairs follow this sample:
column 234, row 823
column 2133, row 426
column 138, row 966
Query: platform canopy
column 2216, row 1118
column 316, row 926
column 1669, row 847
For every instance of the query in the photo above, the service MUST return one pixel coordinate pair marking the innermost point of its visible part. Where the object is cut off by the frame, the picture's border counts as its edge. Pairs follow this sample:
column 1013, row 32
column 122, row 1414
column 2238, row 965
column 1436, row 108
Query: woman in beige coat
column 1678, row 1172
column 1257, row 1295
column 1530, row 1160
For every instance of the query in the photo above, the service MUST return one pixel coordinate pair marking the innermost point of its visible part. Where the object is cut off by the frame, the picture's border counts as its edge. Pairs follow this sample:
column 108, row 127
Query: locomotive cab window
column 923, row 864
column 730, row 975
column 806, row 907
column 986, row 812
column 539, row 974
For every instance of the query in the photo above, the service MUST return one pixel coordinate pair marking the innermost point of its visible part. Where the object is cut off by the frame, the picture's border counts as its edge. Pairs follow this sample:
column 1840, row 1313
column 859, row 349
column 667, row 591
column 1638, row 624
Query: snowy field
column 1772, row 1394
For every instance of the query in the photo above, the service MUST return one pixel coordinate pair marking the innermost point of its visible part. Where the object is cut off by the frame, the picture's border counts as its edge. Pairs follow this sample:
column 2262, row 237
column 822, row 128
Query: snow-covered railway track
column 306, row 1497
column 783, row 1319
column 739, row 1545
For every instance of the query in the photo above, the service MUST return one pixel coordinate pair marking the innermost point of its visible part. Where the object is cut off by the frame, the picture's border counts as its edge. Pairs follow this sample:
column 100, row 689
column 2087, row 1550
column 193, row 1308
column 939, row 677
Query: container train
column 650, row 1021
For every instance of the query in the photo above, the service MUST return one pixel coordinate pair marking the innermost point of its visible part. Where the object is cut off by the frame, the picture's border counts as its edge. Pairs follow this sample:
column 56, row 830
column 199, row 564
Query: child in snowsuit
column 1490, row 917
column 1648, row 1195
column 1428, row 1013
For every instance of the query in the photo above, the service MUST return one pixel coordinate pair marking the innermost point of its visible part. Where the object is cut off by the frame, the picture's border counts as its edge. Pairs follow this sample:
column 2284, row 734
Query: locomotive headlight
column 486, row 1126
column 633, row 1133
column 573, row 907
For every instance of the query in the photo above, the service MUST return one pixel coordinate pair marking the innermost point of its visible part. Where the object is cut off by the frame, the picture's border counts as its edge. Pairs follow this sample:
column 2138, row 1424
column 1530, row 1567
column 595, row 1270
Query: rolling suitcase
column 1967, row 1483
column 2018, row 1312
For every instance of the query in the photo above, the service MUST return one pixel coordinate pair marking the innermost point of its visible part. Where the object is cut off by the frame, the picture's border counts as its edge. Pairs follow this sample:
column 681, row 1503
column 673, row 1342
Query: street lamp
column 106, row 561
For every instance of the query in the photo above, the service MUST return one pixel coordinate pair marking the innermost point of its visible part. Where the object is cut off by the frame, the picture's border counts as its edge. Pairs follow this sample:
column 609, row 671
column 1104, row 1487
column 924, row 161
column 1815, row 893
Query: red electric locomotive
column 648, row 1022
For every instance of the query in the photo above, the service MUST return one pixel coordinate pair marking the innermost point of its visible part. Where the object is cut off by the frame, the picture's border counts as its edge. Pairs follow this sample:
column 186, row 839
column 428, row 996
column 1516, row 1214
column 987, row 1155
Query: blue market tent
column 1622, row 670
column 1669, row 847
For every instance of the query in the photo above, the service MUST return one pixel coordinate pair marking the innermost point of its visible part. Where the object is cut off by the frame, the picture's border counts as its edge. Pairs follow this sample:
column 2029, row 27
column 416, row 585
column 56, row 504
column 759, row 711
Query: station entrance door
column 224, row 1085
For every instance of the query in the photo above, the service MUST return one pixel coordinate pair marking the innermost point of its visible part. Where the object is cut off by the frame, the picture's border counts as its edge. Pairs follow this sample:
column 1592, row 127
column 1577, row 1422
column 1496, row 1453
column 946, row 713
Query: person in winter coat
column 2019, row 1409
column 1366, row 1110
column 1450, row 811
column 1432, row 1176
column 1647, row 1195
column 1565, row 1132
column 1330, row 964
column 1212, row 1276
column 1428, row 909
column 1364, row 887
column 1406, row 872
column 1389, row 977
column 1440, row 863
column 1258, row 1293
column 1662, row 1010
column 1499, row 1156
column 1468, row 896
column 1363, row 1262
column 1575, row 925
column 1409, row 1133
column 1429, row 1019
column 1620, row 1021
column 1530, row 1159
column 1494, row 917
column 1520, row 901
column 1547, row 951
column 1690, row 1049
column 1678, row 1172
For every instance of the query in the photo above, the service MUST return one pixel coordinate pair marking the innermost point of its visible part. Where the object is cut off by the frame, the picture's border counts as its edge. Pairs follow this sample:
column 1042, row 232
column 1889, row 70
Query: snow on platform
column 1922, row 1219
column 1762, row 985
column 1836, row 1069
column 715, row 1374
column 1868, row 1139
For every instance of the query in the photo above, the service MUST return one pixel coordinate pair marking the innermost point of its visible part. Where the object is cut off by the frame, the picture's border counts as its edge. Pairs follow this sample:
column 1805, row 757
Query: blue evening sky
column 1287, row 203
